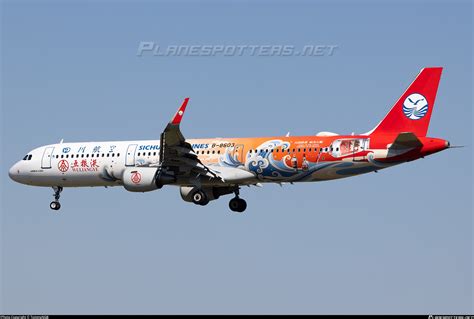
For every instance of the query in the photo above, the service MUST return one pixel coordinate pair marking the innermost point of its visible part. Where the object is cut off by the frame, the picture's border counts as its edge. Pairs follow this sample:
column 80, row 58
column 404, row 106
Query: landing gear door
column 130, row 156
column 46, row 160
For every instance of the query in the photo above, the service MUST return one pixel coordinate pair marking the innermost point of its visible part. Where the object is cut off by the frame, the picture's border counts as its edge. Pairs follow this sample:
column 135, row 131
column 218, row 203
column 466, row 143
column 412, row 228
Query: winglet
column 179, row 115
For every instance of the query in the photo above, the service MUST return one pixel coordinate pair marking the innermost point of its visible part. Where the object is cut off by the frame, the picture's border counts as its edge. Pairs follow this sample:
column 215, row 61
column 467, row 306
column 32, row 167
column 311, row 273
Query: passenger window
column 113, row 154
column 154, row 153
column 57, row 156
column 103, row 154
column 218, row 152
column 149, row 153
column 118, row 154
column 213, row 152
column 108, row 154
column 139, row 153
column 62, row 156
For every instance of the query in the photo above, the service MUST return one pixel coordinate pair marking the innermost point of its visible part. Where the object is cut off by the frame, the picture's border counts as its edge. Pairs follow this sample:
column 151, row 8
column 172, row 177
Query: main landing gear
column 55, row 205
column 200, row 198
column 237, row 204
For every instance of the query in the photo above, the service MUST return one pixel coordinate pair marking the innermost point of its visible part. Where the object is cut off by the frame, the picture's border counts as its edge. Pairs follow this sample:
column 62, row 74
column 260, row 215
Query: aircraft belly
column 70, row 179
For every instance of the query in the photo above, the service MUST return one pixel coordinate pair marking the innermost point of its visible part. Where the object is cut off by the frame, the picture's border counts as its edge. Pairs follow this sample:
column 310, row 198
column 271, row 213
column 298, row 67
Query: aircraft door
column 130, row 156
column 46, row 160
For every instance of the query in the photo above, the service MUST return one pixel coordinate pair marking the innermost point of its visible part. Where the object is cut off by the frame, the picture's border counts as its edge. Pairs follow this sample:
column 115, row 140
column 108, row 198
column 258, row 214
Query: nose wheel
column 55, row 205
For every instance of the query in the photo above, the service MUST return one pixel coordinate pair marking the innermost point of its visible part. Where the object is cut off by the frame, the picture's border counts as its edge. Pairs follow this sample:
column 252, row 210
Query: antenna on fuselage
column 61, row 141
column 287, row 134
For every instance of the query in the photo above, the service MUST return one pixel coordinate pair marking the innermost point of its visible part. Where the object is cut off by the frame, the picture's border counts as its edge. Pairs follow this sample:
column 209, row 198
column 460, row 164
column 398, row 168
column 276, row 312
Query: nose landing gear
column 55, row 205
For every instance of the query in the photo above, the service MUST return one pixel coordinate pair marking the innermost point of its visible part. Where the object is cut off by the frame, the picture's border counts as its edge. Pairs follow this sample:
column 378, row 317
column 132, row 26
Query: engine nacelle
column 212, row 193
column 140, row 179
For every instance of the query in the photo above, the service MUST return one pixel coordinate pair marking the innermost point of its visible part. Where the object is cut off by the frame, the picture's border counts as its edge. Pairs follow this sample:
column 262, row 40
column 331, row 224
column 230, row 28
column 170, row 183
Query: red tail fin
column 412, row 112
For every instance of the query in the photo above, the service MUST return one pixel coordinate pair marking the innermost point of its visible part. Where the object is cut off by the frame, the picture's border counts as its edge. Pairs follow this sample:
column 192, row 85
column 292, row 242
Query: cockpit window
column 29, row 157
column 26, row 157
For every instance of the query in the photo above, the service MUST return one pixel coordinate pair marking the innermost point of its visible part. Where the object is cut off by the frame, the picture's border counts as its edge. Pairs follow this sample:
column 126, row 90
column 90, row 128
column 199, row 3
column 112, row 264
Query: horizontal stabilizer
column 406, row 140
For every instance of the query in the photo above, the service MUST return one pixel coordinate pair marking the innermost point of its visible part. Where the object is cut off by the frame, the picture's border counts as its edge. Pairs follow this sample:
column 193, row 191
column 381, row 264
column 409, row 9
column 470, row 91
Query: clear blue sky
column 399, row 241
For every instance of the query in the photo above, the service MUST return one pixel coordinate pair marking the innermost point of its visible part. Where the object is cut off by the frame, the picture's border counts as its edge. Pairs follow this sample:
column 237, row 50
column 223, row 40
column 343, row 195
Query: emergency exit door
column 130, row 156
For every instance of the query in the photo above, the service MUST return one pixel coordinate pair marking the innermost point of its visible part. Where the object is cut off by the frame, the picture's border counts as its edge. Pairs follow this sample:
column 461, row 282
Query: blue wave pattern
column 414, row 113
column 229, row 160
column 264, row 165
column 415, row 106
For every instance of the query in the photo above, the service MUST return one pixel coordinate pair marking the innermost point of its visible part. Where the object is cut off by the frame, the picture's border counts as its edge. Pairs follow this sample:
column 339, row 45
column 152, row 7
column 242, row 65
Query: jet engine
column 145, row 179
column 211, row 193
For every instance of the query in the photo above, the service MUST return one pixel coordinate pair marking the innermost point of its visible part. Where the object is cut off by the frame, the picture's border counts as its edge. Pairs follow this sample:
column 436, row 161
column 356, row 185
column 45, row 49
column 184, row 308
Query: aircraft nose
column 14, row 172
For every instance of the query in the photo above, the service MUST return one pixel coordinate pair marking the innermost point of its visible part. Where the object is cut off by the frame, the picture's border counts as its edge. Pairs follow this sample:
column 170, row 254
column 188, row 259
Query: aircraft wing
column 176, row 154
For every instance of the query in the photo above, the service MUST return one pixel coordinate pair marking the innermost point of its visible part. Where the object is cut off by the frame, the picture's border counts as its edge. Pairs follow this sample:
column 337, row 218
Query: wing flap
column 177, row 155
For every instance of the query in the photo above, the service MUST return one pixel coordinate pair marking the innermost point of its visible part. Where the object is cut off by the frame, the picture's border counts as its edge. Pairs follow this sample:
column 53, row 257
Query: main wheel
column 237, row 205
column 55, row 205
column 200, row 198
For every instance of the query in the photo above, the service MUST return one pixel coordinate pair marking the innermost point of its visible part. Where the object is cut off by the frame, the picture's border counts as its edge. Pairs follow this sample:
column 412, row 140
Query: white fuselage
column 83, row 164
column 103, row 164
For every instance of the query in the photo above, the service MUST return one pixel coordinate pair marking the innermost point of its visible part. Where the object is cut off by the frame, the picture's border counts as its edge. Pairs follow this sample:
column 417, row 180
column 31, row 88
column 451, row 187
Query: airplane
column 205, row 169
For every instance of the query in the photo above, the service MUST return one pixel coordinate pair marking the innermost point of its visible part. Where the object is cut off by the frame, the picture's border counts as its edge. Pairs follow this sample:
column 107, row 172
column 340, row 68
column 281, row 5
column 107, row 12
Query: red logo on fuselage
column 136, row 177
column 63, row 165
